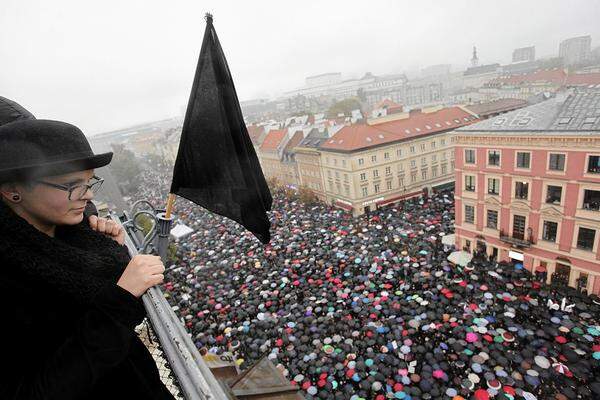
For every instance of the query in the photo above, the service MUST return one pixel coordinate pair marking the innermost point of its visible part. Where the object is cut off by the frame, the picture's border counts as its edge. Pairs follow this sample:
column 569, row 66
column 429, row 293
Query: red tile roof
column 294, row 141
column 255, row 131
column 592, row 78
column 273, row 139
column 361, row 136
column 386, row 103
column 557, row 76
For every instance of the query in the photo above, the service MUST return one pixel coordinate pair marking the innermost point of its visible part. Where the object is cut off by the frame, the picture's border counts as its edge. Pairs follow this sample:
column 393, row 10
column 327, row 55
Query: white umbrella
column 448, row 240
column 461, row 258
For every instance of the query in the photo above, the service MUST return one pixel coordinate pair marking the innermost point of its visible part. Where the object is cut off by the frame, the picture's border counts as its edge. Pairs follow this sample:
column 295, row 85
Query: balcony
column 517, row 242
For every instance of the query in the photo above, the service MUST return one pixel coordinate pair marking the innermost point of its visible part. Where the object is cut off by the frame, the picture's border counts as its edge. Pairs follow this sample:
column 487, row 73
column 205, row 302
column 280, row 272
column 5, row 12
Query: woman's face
column 51, row 206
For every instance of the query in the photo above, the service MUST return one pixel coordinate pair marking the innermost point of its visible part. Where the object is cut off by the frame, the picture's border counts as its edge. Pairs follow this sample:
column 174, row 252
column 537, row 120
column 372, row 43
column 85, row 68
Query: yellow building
column 365, row 166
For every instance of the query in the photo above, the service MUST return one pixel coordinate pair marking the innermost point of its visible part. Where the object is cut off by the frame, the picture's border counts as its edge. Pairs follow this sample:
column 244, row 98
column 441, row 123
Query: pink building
column 528, row 188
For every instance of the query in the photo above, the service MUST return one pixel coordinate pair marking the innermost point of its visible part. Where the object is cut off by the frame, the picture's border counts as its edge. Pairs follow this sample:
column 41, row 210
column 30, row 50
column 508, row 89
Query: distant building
column 524, row 86
column 523, row 54
column 528, row 188
column 575, row 50
column 477, row 76
column 330, row 78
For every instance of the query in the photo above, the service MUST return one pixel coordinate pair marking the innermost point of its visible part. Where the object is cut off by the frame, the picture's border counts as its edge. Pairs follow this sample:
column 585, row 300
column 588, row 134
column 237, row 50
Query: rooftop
column 413, row 125
column 273, row 139
column 496, row 106
column 566, row 112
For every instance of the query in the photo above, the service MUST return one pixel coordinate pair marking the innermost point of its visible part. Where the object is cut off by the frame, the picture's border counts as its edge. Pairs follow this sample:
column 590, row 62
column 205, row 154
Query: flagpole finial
column 208, row 17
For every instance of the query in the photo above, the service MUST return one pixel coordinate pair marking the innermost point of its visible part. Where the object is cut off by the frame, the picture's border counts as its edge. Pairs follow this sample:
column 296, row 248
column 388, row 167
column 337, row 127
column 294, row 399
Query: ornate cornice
column 530, row 141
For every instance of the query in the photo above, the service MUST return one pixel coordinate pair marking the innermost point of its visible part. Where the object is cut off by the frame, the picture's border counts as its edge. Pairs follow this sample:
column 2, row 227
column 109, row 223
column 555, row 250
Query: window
column 469, row 183
column 376, row 187
column 433, row 158
column 494, row 158
column 469, row 156
column 519, row 227
column 363, row 176
column 423, row 174
column 433, row 144
column 335, row 161
column 388, row 170
column 347, row 190
column 443, row 156
column 386, row 155
column 413, row 177
column 338, row 188
column 329, row 173
column 373, row 158
column 413, row 163
column 345, row 177
column 375, row 173
column 337, row 175
column 412, row 149
column 521, row 190
column 361, row 161
column 557, row 162
column 401, row 167
column 401, row 181
column 523, row 159
column 593, row 165
column 469, row 214
column 344, row 163
column 443, row 142
column 434, row 171
column 444, row 169
column 549, row 231
column 399, row 153
column 365, row 191
column 493, row 186
column 492, row 219
column 585, row 239
column 423, row 161
column 591, row 200
column 553, row 194
column 389, row 185
column 422, row 146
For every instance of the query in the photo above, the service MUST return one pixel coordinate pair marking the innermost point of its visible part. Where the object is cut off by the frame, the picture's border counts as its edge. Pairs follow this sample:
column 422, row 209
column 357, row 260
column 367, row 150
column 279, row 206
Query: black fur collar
column 77, row 262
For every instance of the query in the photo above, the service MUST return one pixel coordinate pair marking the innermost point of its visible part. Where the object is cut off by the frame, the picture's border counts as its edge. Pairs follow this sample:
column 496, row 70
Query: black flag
column 216, row 165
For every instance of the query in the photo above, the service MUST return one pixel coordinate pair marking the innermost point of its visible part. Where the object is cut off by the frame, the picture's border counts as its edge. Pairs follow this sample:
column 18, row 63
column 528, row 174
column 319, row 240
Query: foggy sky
column 104, row 65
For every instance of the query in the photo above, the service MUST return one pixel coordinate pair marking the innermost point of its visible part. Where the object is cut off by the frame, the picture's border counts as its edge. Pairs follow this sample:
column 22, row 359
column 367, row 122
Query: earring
column 16, row 197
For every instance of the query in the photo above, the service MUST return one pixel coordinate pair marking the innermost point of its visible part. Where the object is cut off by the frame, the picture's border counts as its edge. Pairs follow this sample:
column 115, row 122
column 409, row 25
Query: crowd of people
column 369, row 307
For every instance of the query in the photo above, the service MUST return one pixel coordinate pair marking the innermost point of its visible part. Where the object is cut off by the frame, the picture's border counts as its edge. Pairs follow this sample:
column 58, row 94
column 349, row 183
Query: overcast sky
column 103, row 65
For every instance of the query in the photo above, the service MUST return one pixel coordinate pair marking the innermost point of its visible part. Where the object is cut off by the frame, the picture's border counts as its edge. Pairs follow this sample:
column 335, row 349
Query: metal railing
column 192, row 377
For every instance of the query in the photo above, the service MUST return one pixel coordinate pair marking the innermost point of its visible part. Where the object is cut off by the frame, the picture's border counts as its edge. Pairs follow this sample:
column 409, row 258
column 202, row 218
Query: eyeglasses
column 76, row 192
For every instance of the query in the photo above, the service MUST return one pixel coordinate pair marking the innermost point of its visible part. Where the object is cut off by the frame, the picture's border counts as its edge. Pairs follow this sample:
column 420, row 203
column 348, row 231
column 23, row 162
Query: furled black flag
column 216, row 165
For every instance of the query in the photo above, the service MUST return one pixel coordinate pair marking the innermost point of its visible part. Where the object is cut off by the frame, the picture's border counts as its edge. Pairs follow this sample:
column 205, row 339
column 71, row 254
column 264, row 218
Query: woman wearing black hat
column 69, row 290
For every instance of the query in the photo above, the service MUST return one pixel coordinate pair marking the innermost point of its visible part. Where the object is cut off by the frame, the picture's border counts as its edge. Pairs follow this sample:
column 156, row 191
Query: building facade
column 528, row 188
column 523, row 54
column 575, row 50
column 366, row 166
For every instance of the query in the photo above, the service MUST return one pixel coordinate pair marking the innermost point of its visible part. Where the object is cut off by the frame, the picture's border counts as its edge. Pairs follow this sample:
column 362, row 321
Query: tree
column 125, row 166
column 307, row 196
column 343, row 107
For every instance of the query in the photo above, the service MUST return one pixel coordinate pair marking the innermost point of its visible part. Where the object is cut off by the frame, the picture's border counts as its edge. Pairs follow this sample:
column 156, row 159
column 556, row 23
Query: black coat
column 67, row 329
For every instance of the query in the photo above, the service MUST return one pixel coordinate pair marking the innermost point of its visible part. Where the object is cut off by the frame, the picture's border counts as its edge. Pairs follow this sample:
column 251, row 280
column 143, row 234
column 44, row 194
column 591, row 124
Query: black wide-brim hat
column 38, row 148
